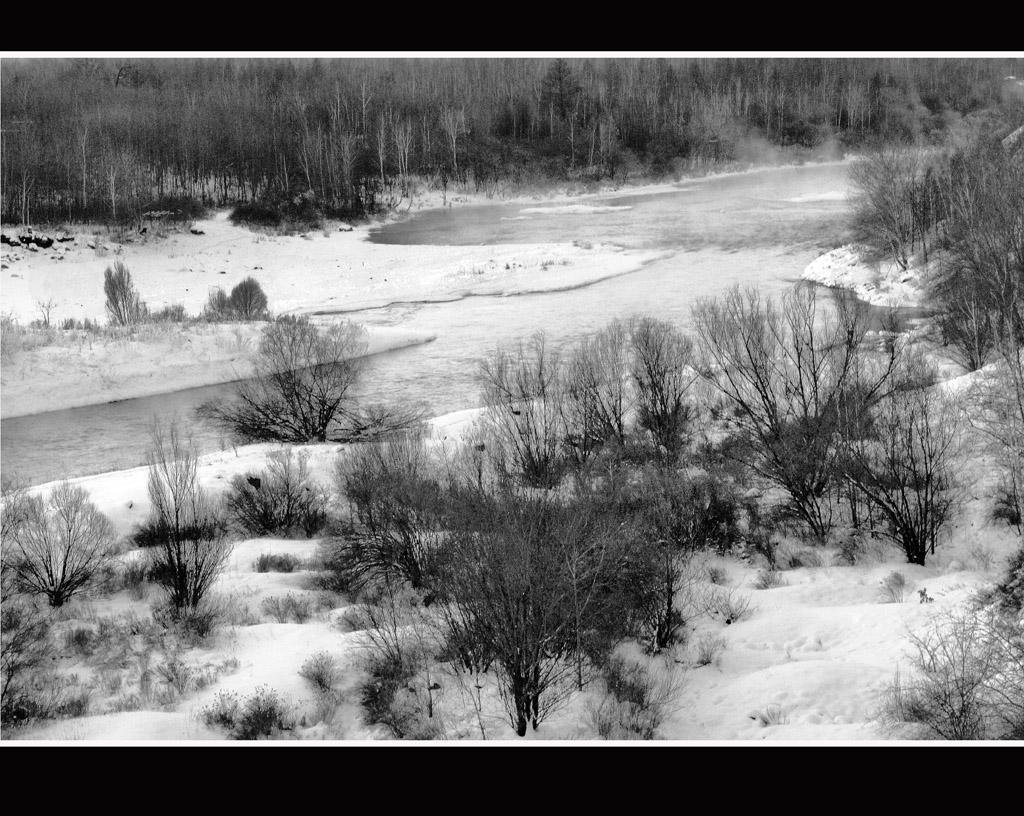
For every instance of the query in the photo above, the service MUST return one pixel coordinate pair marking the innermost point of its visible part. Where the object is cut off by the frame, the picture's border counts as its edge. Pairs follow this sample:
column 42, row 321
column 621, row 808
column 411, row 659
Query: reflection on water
column 758, row 228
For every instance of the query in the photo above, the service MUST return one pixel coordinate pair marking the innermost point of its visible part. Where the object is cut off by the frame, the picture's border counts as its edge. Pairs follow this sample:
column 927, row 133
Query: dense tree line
column 109, row 139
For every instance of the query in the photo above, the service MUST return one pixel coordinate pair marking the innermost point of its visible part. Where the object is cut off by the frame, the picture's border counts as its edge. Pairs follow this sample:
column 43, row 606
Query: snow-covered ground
column 809, row 662
column 333, row 269
column 882, row 283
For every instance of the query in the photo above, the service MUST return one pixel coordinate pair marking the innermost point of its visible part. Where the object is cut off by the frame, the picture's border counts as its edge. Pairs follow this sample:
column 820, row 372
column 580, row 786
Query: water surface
column 759, row 228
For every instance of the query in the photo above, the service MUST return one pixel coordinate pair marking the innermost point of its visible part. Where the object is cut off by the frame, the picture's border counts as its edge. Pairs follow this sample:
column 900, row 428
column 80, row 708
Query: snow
column 882, row 283
column 575, row 209
column 329, row 270
column 809, row 664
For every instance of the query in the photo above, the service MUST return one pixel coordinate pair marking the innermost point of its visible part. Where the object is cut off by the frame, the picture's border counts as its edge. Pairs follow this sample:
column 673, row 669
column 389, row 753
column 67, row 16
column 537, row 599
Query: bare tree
column 889, row 203
column 187, row 530
column 785, row 374
column 123, row 304
column 46, row 308
column 662, row 375
column 402, row 134
column 995, row 410
column 597, row 394
column 526, row 576
column 25, row 646
column 60, row 546
column 398, row 505
column 985, row 199
column 904, row 460
column 453, row 122
column 300, row 389
column 523, row 390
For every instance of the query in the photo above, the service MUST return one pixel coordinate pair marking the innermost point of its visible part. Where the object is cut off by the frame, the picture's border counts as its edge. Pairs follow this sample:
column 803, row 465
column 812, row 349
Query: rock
column 197, row 231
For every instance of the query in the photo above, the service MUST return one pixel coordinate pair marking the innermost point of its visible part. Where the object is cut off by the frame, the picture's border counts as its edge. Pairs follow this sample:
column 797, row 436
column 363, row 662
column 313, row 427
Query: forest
column 109, row 139
column 579, row 559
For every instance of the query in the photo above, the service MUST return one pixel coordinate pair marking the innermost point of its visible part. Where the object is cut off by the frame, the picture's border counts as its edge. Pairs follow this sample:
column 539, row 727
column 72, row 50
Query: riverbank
column 336, row 270
column 881, row 283
column 80, row 369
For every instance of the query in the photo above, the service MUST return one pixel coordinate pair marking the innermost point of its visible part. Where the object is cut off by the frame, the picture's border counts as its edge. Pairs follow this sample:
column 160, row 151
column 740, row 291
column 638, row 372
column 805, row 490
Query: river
column 760, row 228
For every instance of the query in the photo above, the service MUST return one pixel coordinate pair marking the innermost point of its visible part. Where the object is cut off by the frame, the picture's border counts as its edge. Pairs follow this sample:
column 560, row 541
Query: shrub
column 74, row 704
column 709, row 649
column 1008, row 592
column 690, row 512
column 849, row 545
column 258, row 213
column 223, row 713
column 300, row 389
column 192, row 624
column 247, row 299
column 61, row 545
column 134, row 578
column 338, row 573
column 523, row 391
column 177, row 674
column 276, row 562
column 283, row 500
column 123, row 304
column 1008, row 504
column 729, row 605
column 771, row 714
column 596, row 392
column 636, row 702
column 218, row 305
column 388, row 677
column 173, row 313
column 769, row 579
column 262, row 715
column 10, row 338
column 792, row 558
column 893, row 587
column 321, row 673
column 80, row 640
column 398, row 506
column 25, row 646
column 188, row 533
column 969, row 680
column 287, row 608
column 663, row 375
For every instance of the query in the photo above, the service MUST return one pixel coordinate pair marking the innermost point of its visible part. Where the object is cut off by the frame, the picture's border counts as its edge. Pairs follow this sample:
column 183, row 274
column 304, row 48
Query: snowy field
column 808, row 662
